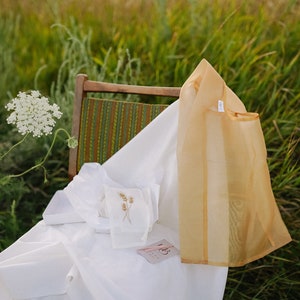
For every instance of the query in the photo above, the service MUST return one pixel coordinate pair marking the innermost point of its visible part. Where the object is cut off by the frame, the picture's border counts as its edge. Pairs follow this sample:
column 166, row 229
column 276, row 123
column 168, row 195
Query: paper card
column 158, row 251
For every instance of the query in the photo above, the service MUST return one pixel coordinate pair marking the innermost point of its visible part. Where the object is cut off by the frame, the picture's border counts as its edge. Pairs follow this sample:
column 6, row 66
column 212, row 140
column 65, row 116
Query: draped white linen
column 69, row 254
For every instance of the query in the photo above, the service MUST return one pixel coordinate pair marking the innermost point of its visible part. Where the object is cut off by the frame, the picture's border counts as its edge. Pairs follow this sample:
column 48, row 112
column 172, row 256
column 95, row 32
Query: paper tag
column 158, row 251
column 220, row 106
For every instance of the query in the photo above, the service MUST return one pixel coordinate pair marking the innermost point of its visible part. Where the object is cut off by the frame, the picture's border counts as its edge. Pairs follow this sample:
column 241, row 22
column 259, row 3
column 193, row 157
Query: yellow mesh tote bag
column 227, row 212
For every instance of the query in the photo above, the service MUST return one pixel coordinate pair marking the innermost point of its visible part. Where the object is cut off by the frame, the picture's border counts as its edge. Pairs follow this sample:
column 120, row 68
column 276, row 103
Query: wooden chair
column 103, row 126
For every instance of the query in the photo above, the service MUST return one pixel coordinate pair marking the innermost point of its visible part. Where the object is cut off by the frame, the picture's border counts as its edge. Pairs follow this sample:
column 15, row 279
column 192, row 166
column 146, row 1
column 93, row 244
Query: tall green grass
column 253, row 44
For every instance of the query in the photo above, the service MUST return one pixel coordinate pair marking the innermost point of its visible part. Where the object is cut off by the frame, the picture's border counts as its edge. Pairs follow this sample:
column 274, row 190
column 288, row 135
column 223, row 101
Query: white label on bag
column 220, row 106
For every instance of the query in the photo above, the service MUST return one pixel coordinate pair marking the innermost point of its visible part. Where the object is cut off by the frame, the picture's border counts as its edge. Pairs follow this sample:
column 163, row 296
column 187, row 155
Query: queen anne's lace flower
column 32, row 113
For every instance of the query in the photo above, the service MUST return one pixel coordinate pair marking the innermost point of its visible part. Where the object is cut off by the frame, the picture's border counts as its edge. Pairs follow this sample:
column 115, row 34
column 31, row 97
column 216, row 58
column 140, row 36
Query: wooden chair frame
column 83, row 86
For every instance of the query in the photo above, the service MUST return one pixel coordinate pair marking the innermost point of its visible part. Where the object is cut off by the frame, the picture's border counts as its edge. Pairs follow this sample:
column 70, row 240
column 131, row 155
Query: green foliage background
column 254, row 45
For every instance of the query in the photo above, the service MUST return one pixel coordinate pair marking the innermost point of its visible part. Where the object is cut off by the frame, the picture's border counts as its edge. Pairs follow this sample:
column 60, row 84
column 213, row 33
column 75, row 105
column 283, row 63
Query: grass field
column 254, row 45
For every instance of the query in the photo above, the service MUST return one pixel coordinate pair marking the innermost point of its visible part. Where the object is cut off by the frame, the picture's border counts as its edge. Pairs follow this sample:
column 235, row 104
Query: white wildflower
column 32, row 113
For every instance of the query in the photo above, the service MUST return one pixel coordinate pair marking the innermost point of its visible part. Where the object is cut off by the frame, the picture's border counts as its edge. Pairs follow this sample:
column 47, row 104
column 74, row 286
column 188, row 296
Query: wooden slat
column 79, row 95
column 98, row 86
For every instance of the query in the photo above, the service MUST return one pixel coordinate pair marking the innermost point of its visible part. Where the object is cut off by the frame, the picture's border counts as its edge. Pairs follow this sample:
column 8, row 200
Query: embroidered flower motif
column 32, row 113
column 126, row 205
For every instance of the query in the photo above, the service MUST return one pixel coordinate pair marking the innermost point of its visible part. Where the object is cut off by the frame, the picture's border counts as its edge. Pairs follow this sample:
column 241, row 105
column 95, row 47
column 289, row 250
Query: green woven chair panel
column 107, row 125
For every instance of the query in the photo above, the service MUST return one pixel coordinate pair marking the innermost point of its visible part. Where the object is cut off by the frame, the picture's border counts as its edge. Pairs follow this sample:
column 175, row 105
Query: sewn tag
column 220, row 106
column 158, row 251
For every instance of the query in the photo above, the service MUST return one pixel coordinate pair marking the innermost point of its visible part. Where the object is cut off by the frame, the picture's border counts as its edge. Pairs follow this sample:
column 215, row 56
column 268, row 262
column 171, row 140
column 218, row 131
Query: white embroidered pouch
column 132, row 212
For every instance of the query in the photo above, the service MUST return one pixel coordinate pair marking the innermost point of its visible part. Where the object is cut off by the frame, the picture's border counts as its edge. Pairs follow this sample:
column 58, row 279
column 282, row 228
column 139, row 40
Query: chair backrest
column 103, row 126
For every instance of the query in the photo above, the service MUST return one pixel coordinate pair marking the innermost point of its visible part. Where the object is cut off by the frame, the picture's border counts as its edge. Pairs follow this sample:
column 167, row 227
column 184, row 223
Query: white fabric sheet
column 69, row 255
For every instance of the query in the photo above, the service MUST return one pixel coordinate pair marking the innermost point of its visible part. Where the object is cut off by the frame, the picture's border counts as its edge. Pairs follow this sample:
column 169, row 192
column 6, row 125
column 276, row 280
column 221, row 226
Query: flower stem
column 40, row 164
column 14, row 146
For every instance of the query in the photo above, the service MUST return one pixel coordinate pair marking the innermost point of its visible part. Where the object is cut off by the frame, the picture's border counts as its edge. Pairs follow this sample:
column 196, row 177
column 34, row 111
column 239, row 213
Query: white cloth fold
column 60, row 210
column 35, row 267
